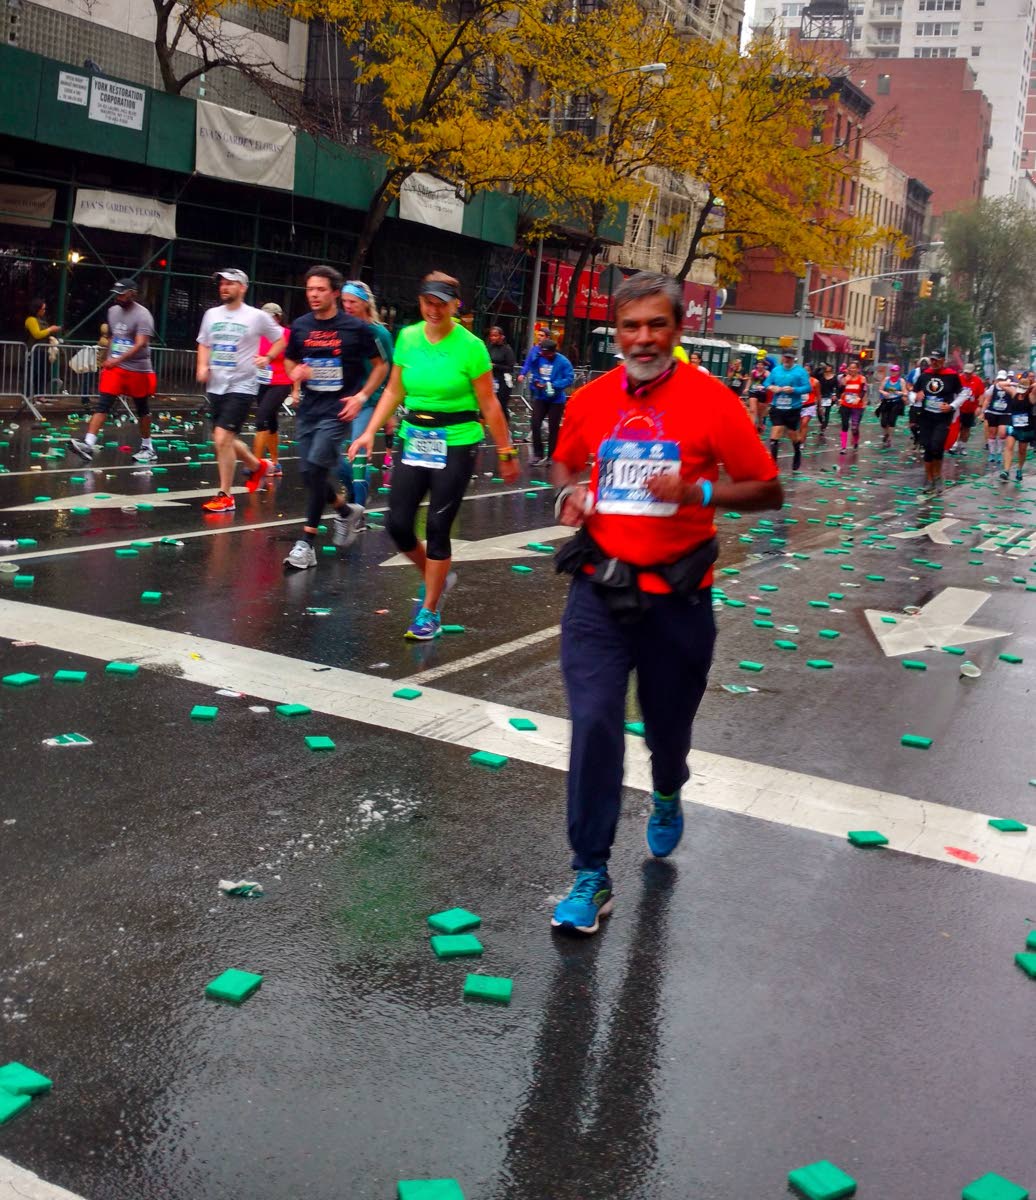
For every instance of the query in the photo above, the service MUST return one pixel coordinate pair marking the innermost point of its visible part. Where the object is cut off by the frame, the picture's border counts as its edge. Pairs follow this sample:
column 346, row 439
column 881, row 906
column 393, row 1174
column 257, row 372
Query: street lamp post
column 803, row 311
column 655, row 68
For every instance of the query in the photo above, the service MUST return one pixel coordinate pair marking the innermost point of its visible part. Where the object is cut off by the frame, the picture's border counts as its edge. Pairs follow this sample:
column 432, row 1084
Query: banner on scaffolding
column 431, row 201
column 244, row 149
column 124, row 213
column 26, row 205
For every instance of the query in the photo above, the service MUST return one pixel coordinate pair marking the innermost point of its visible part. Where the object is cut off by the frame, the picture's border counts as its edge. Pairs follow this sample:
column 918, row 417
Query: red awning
column 832, row 343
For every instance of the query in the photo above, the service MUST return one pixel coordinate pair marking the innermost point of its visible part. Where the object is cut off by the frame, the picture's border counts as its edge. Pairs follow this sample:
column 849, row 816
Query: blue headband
column 352, row 289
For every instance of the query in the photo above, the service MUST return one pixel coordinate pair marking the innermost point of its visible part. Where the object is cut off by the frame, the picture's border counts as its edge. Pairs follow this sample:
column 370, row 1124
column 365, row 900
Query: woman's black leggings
column 270, row 400
column 445, row 490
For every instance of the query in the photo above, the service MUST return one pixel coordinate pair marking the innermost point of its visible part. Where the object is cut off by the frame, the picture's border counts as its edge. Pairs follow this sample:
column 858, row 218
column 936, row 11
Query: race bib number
column 1020, row 420
column 624, row 468
column 266, row 375
column 120, row 345
column 785, row 401
column 999, row 404
column 326, row 376
column 224, row 355
column 425, row 448
column 933, row 404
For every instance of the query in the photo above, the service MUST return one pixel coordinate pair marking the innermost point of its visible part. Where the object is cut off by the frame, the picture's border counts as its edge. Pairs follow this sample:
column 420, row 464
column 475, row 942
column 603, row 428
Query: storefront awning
column 832, row 343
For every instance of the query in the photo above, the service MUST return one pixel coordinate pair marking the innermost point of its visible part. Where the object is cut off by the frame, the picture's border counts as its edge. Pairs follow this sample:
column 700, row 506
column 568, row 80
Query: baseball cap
column 1001, row 374
column 760, row 354
column 232, row 275
column 441, row 291
column 122, row 286
column 273, row 308
column 937, row 352
column 894, row 369
column 970, row 368
column 786, row 353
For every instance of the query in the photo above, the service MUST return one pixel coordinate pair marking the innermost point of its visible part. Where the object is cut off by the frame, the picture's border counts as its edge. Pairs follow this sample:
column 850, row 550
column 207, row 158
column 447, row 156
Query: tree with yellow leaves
column 601, row 76
column 753, row 131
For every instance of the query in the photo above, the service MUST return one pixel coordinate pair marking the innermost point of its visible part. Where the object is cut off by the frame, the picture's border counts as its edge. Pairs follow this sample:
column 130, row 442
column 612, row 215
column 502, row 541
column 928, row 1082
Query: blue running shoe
column 589, row 899
column 665, row 825
column 424, row 627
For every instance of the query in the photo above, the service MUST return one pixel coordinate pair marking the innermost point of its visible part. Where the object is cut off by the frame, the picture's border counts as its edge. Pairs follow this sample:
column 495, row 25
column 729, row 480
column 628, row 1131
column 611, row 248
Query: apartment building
column 995, row 37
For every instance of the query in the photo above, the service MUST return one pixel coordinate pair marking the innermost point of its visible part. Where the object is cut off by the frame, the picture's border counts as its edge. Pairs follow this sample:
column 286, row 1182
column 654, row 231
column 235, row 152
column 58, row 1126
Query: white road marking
column 484, row 656
column 167, row 464
column 26, row 555
column 768, row 793
column 113, row 500
column 508, row 545
column 18, row 1184
column 936, row 530
column 943, row 621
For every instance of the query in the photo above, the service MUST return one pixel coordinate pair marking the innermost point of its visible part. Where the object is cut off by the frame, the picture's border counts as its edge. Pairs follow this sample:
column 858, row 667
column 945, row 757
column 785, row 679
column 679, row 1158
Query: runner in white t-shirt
column 228, row 366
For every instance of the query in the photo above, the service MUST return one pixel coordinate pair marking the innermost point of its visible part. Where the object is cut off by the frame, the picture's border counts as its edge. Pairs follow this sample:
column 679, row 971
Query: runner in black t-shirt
column 940, row 390
column 1021, row 429
column 326, row 354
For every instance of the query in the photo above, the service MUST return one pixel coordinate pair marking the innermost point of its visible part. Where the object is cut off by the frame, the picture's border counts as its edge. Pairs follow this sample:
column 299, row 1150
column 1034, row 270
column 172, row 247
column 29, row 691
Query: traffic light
column 881, row 304
column 925, row 289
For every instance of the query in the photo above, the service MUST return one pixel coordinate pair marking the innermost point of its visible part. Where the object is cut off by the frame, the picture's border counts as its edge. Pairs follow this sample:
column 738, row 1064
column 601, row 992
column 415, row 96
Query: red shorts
column 117, row 381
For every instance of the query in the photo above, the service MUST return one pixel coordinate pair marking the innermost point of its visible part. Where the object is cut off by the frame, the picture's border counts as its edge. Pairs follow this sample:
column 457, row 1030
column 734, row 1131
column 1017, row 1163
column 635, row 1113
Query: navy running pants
column 670, row 648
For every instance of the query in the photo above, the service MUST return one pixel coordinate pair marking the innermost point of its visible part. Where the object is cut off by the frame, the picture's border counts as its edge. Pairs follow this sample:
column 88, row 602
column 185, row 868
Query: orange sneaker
column 220, row 503
column 256, row 477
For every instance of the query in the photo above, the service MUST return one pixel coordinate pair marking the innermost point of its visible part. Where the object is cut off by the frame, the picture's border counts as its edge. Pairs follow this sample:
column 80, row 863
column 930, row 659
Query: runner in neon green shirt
column 444, row 375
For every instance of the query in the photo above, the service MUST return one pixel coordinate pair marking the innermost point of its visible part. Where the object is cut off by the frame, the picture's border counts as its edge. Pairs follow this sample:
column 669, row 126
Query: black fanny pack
column 439, row 420
column 619, row 582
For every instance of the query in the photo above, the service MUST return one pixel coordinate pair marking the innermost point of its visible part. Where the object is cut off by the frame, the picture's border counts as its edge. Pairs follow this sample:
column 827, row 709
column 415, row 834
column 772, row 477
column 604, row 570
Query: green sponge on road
column 428, row 1189
column 994, row 1187
column 21, row 1080
column 11, row 1106
column 456, row 945
column 454, row 920
column 488, row 987
column 233, row 985
column 822, row 1181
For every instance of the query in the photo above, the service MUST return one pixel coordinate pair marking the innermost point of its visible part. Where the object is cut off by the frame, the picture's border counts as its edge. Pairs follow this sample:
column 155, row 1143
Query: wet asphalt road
column 769, row 998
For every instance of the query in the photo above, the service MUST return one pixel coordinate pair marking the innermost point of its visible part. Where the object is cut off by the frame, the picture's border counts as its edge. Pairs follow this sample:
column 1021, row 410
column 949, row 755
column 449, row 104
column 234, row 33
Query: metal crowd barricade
column 12, row 374
column 67, row 374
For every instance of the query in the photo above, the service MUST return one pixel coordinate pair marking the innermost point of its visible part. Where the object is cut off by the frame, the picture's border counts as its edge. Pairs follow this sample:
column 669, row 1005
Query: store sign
column 832, row 323
column 245, row 149
column 431, row 201
column 127, row 214
column 117, row 103
column 73, row 89
column 591, row 298
column 26, row 205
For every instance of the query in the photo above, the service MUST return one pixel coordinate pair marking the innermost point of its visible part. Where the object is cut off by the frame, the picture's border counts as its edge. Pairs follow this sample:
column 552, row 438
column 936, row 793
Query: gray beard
column 645, row 372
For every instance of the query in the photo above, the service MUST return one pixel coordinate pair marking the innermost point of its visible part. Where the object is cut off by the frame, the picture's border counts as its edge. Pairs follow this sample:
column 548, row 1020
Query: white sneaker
column 145, row 454
column 85, row 452
column 302, row 555
column 345, row 529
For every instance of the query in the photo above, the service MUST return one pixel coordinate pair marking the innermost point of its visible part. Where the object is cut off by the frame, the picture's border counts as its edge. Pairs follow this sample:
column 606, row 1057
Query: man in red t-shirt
column 976, row 385
column 657, row 432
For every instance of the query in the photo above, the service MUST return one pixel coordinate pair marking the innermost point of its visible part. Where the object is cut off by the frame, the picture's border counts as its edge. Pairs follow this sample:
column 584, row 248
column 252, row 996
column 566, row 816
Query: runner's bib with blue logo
column 1020, row 420
column 326, row 376
column 623, row 470
column 120, row 345
column 424, row 448
column 265, row 375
